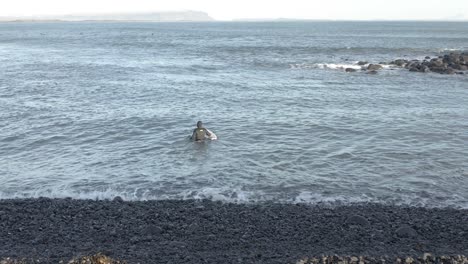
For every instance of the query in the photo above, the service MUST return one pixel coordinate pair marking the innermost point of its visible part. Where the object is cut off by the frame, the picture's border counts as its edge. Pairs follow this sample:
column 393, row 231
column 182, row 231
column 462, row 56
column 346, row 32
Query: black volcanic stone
column 374, row 67
column 357, row 220
column 172, row 231
column 118, row 199
column 406, row 231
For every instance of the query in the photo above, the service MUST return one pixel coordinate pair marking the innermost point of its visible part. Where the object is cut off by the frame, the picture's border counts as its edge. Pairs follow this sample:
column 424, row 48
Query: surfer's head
column 199, row 124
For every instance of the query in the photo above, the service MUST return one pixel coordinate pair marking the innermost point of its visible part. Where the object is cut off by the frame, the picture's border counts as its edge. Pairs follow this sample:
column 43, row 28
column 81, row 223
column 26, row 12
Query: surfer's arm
column 193, row 135
column 207, row 133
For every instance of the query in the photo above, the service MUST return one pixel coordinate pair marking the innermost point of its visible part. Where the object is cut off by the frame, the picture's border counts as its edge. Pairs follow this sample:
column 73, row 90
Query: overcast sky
column 237, row 9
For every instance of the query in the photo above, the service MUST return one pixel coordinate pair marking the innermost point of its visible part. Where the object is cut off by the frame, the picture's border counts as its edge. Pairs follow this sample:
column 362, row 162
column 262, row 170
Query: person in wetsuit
column 200, row 133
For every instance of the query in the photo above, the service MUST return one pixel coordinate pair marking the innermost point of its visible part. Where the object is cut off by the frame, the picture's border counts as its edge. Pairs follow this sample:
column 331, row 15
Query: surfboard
column 213, row 135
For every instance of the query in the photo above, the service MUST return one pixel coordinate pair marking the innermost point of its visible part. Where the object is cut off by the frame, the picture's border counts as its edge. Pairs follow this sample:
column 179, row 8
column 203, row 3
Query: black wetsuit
column 199, row 134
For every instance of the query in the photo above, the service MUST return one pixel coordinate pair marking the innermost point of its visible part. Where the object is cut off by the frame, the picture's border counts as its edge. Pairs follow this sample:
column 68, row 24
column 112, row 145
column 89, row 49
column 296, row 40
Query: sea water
column 98, row 110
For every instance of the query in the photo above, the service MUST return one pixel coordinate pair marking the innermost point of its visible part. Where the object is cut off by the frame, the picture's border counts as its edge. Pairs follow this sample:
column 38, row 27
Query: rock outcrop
column 374, row 67
column 453, row 63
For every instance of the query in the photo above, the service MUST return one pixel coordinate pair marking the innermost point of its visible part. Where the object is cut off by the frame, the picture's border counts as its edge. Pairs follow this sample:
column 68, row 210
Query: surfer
column 200, row 133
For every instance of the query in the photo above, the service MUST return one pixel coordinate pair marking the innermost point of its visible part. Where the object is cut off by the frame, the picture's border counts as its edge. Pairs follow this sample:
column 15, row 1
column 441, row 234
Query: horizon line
column 79, row 17
column 231, row 21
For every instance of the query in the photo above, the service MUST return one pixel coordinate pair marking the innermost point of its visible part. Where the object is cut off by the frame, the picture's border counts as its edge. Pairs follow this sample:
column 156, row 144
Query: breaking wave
column 227, row 195
column 335, row 66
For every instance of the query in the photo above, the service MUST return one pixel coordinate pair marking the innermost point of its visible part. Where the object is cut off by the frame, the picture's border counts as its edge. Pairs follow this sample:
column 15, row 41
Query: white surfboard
column 213, row 135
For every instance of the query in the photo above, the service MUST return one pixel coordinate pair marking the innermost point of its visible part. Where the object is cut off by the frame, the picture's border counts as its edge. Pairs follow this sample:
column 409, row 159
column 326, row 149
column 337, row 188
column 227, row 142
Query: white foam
column 312, row 197
column 323, row 66
column 444, row 50
column 334, row 66
column 107, row 194
column 237, row 195
column 225, row 194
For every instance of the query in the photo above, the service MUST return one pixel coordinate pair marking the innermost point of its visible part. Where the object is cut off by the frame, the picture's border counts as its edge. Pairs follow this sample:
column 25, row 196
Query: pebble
column 406, row 231
column 357, row 220
column 118, row 199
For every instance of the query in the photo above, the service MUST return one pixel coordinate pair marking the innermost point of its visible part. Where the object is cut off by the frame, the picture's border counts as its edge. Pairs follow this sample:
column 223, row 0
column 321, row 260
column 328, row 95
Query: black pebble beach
column 189, row 231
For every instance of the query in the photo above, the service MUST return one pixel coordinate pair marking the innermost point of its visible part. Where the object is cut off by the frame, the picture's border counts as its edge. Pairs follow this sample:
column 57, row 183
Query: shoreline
column 203, row 231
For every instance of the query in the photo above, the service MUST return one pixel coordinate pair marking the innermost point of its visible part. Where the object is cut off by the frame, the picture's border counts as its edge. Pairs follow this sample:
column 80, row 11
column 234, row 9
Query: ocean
column 98, row 110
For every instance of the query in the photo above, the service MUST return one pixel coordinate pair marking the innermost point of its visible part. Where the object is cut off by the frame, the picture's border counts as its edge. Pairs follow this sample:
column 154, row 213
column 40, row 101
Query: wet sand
column 211, row 232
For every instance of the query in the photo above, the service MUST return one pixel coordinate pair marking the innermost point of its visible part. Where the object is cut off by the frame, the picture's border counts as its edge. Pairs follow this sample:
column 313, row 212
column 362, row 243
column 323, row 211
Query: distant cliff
column 179, row 16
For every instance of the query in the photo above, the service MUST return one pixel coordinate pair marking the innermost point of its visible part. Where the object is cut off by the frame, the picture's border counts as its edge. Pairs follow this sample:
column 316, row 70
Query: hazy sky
column 235, row 9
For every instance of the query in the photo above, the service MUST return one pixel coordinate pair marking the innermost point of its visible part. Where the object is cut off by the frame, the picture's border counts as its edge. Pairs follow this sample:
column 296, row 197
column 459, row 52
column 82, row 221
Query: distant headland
column 170, row 16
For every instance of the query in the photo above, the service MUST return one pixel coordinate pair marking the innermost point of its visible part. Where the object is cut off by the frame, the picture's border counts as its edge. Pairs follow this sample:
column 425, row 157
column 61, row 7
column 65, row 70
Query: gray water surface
column 98, row 110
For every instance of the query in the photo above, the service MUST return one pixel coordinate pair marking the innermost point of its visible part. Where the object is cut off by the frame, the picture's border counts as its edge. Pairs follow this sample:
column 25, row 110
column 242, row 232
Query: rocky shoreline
column 426, row 258
column 453, row 63
column 194, row 231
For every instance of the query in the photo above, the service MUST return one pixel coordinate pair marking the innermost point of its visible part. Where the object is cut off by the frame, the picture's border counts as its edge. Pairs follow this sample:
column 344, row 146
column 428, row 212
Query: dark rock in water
column 460, row 67
column 400, row 62
column 350, row 70
column 449, row 71
column 455, row 57
column 412, row 64
column 437, row 63
column 357, row 220
column 427, row 58
column 438, row 69
column 461, row 73
column 406, row 231
column 374, row 67
column 452, row 63
column 451, row 58
column 419, row 67
column 372, row 72
column 426, row 63
column 446, row 58
column 361, row 63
